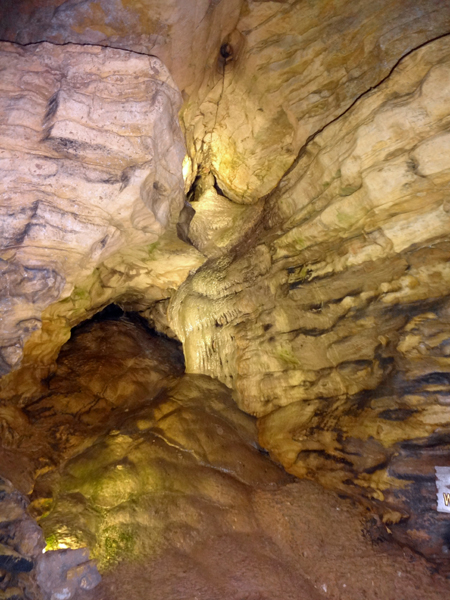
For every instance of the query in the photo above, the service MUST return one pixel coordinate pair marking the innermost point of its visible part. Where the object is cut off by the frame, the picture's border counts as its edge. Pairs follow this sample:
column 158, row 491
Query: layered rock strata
column 288, row 70
column 332, row 325
column 258, row 78
column 324, row 305
column 185, row 36
column 91, row 154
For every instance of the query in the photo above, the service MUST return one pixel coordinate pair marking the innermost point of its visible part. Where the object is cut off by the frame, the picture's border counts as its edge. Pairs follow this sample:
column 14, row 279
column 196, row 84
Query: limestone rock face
column 91, row 154
column 186, row 35
column 258, row 78
column 332, row 327
column 288, row 70
column 318, row 169
column 63, row 573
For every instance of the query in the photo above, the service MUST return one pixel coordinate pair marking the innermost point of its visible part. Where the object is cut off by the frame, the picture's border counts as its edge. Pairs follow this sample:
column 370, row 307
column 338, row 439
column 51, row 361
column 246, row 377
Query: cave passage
column 161, row 477
column 224, row 299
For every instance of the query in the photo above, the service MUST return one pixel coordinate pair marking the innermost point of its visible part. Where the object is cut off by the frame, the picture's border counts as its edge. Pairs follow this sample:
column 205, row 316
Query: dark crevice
column 184, row 222
column 98, row 45
column 381, row 465
column 226, row 51
column 355, row 101
column 113, row 312
column 304, row 454
column 218, row 188
column 433, row 441
column 397, row 414
column 192, row 193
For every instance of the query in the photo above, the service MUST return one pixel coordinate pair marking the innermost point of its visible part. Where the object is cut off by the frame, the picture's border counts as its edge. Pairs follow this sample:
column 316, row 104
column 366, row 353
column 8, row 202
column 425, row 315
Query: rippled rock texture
column 91, row 154
column 289, row 69
column 317, row 135
column 258, row 78
column 332, row 325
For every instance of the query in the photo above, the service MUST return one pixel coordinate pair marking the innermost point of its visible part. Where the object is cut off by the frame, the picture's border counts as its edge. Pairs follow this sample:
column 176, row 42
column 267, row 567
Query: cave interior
column 224, row 299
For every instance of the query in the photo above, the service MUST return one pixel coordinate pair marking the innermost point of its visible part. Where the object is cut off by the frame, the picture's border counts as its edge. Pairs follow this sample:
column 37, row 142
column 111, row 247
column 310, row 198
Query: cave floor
column 161, row 476
column 312, row 545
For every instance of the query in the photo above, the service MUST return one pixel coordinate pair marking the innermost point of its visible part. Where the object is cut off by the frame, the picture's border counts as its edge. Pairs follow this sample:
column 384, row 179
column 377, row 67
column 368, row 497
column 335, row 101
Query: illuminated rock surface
column 293, row 68
column 167, row 486
column 309, row 274
column 91, row 154
column 102, row 368
column 332, row 322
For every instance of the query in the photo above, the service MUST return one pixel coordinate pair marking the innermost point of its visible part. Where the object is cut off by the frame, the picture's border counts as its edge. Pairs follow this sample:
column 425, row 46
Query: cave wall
column 293, row 68
column 185, row 35
column 91, row 159
column 318, row 168
column 161, row 476
column 331, row 323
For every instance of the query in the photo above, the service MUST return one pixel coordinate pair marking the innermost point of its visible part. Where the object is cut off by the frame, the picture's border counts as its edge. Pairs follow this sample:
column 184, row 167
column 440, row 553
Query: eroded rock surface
column 288, row 70
column 91, row 154
column 324, row 305
column 186, row 35
column 106, row 366
column 258, row 77
column 176, row 499
column 332, row 327
column 122, row 495
column 26, row 573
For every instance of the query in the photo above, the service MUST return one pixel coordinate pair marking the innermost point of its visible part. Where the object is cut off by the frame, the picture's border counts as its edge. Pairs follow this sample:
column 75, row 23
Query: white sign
column 443, row 489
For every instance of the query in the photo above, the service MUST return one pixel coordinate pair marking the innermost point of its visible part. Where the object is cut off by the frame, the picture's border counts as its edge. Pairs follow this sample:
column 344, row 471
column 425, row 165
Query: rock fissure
column 276, row 191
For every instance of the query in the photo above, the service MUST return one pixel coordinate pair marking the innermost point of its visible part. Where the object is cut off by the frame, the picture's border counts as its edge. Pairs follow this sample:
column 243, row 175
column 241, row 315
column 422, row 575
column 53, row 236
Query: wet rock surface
column 175, row 499
column 158, row 478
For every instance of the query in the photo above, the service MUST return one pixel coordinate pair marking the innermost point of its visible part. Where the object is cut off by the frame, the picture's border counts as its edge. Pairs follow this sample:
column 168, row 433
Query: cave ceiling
column 267, row 182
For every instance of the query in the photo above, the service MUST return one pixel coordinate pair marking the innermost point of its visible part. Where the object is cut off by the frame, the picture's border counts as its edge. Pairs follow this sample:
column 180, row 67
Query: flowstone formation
column 331, row 323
